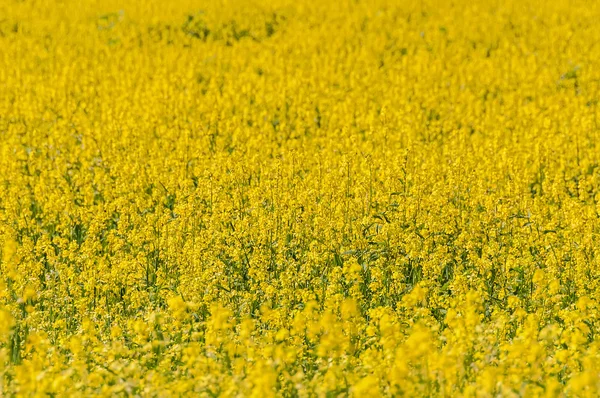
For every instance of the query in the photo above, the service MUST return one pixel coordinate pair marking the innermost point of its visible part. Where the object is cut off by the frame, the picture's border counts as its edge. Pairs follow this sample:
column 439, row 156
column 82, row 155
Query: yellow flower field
column 302, row 199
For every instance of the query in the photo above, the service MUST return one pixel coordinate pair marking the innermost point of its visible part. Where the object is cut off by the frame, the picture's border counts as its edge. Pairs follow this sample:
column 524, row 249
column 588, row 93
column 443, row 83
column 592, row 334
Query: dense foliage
column 283, row 197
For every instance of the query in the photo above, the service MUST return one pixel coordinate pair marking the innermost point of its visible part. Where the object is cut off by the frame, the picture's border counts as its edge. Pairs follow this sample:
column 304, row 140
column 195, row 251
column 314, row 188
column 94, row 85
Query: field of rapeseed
column 301, row 199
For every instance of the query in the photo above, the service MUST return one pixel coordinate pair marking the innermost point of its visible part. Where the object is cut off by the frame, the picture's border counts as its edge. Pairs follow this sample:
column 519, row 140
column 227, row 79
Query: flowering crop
column 293, row 198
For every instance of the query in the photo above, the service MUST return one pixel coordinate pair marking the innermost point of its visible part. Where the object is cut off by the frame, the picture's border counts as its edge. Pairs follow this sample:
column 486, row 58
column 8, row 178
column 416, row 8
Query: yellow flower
column 294, row 198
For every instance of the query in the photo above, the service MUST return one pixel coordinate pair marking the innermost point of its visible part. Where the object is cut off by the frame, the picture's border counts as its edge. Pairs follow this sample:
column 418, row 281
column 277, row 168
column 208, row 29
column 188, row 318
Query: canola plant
column 299, row 199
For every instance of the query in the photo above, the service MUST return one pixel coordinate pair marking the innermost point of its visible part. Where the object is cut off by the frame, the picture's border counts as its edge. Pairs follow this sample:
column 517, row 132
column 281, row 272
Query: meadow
column 339, row 198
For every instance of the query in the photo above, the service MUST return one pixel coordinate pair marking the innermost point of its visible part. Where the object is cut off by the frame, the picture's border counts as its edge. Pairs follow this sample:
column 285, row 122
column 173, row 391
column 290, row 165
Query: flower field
column 340, row 198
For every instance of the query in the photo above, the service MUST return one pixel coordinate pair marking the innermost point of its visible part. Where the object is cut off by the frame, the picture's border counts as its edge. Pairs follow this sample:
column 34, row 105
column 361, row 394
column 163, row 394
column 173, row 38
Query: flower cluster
column 293, row 198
